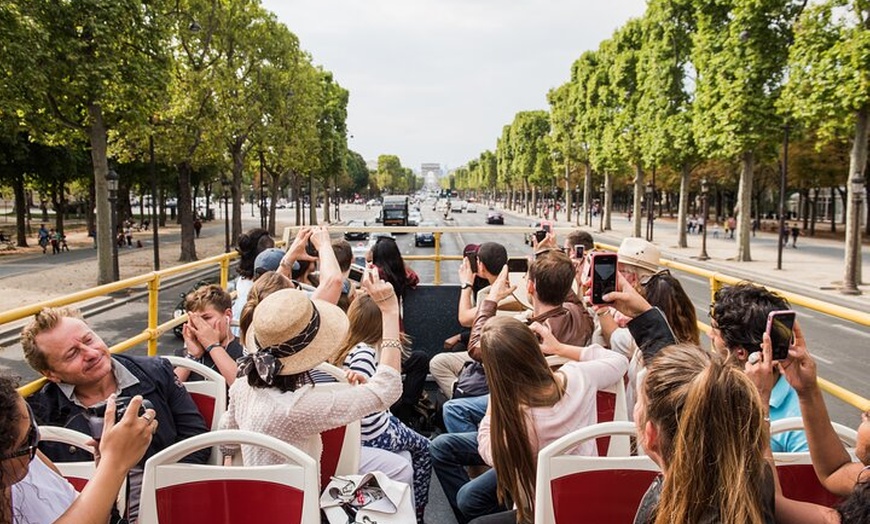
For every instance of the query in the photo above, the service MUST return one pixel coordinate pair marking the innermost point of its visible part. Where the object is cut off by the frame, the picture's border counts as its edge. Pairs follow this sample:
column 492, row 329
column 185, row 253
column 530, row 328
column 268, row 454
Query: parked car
column 356, row 235
column 495, row 217
column 425, row 239
column 471, row 208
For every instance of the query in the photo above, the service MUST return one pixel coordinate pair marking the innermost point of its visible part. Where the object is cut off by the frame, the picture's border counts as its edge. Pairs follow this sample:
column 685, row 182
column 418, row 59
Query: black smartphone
column 518, row 265
column 603, row 276
column 780, row 328
column 311, row 250
column 356, row 273
column 540, row 235
column 579, row 250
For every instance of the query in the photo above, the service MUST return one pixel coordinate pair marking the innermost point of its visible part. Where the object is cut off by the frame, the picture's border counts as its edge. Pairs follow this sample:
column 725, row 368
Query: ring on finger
column 149, row 417
column 755, row 357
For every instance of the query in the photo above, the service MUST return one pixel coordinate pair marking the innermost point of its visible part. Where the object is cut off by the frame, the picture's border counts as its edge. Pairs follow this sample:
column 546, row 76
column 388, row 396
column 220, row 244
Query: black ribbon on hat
column 266, row 360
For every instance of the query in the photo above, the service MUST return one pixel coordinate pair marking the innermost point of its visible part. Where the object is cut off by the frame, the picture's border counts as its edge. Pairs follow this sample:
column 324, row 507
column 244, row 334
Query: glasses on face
column 649, row 278
column 32, row 440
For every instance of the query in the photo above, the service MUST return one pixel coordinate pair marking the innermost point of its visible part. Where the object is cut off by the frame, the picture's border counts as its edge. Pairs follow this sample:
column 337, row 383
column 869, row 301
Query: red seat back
column 799, row 482
column 606, row 403
column 205, row 405
column 228, row 501
column 333, row 442
column 77, row 482
column 610, row 496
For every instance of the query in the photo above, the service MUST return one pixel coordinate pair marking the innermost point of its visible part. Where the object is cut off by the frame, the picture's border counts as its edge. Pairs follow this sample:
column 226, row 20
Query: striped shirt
column 363, row 360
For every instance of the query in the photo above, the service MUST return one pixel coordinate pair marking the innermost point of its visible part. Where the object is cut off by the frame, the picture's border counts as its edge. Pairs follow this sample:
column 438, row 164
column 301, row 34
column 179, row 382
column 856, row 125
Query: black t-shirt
column 234, row 350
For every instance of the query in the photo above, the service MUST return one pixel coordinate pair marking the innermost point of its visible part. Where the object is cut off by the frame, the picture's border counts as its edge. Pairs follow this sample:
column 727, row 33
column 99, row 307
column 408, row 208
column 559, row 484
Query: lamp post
column 152, row 168
column 226, row 186
column 601, row 208
column 262, row 196
column 112, row 185
column 783, row 180
column 650, row 210
column 577, row 201
column 253, row 197
column 704, row 190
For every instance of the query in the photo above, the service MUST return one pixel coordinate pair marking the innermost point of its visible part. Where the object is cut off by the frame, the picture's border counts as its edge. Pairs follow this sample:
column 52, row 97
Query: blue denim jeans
column 469, row 499
column 463, row 415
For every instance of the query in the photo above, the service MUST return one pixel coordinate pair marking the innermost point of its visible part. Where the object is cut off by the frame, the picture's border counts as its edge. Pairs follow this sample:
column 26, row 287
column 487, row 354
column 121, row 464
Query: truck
column 394, row 211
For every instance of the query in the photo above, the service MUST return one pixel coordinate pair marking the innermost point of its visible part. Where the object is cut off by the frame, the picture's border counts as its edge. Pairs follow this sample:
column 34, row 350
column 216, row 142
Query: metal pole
column 782, row 182
column 262, row 197
column 115, row 272
column 152, row 167
column 704, row 204
column 226, row 221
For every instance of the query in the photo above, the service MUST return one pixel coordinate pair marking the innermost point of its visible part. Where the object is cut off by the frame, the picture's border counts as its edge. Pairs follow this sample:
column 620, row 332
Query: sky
column 436, row 80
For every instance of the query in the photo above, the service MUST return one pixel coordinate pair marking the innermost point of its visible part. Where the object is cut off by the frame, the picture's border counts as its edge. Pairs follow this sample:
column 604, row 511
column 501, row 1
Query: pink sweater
column 599, row 368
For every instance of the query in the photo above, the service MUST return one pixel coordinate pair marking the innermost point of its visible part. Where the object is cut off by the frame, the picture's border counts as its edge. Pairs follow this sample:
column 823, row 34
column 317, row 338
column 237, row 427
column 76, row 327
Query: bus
column 394, row 211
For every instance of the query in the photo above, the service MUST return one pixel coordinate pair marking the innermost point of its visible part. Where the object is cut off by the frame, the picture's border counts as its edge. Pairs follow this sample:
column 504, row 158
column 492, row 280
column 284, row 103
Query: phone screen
column 780, row 327
column 603, row 276
column 518, row 265
column 578, row 251
column 540, row 235
column 356, row 273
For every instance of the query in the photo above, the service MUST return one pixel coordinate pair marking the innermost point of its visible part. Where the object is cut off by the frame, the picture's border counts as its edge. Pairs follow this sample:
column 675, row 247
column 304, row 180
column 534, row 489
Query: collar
column 123, row 379
column 780, row 392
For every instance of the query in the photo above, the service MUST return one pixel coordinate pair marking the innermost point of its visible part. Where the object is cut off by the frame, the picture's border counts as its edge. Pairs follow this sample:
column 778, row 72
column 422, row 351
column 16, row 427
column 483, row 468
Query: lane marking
column 851, row 330
column 823, row 359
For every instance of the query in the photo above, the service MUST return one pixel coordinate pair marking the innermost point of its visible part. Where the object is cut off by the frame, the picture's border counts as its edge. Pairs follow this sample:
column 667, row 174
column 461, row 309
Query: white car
column 471, row 208
column 414, row 218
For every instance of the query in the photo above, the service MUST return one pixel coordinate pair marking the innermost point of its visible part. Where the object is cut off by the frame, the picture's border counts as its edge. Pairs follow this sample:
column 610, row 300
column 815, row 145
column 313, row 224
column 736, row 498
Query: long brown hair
column 666, row 293
column 365, row 326
column 711, row 437
column 268, row 283
column 519, row 378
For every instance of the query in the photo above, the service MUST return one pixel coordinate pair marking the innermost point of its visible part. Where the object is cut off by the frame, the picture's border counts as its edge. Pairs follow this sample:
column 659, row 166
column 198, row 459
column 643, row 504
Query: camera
column 121, row 405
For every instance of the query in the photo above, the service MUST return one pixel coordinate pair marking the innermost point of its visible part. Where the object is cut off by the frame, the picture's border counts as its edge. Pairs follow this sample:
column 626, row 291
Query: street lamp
column 112, row 185
column 225, row 182
column 601, row 209
column 704, row 190
column 650, row 212
column 577, row 203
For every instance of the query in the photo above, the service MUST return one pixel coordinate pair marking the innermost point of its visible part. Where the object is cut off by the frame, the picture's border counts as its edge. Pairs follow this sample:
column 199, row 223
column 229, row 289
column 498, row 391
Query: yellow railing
column 153, row 281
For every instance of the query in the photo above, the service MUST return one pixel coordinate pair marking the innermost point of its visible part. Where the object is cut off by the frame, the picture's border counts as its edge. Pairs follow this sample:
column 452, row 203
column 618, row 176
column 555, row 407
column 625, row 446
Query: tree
column 829, row 90
column 332, row 132
column 390, row 175
column 531, row 155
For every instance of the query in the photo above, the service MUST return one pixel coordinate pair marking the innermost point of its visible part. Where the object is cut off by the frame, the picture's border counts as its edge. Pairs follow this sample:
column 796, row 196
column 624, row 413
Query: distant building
column 431, row 173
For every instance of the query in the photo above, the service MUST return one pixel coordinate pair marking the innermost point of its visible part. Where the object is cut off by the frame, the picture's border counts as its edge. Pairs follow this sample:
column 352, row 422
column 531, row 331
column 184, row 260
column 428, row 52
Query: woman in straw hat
column 289, row 335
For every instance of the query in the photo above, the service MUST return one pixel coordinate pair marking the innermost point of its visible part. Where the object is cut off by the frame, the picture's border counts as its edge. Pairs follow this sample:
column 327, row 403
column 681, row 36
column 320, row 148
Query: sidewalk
column 813, row 269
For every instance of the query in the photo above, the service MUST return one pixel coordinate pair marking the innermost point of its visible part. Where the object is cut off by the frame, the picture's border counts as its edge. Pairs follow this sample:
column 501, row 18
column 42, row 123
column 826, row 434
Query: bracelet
column 605, row 311
column 212, row 346
column 384, row 299
column 465, row 285
column 391, row 343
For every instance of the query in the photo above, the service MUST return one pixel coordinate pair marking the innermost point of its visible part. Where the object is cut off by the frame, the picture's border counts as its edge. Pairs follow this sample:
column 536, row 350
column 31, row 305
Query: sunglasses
column 649, row 278
column 32, row 441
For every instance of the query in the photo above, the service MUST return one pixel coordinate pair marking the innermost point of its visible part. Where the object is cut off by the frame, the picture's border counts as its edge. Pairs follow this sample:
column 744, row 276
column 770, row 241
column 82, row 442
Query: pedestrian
column 128, row 234
column 55, row 245
column 43, row 237
column 795, row 233
column 716, row 230
column 756, row 223
column 732, row 225
column 197, row 226
column 63, row 245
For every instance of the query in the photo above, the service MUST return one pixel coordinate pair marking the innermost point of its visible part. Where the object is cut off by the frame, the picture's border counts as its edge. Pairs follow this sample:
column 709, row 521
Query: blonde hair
column 42, row 322
column 265, row 285
column 366, row 326
column 711, row 435
column 519, row 378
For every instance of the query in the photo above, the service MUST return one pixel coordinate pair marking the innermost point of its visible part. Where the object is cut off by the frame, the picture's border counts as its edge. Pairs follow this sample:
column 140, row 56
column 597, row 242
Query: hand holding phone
column 356, row 273
column 780, row 329
column 579, row 250
column 603, row 276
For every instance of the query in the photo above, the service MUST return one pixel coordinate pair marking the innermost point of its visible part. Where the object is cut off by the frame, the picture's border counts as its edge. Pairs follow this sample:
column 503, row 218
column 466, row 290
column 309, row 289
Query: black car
column 494, row 217
column 356, row 235
column 425, row 239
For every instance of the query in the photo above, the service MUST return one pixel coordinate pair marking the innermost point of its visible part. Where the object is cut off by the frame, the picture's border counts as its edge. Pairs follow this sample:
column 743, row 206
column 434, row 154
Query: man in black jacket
column 83, row 374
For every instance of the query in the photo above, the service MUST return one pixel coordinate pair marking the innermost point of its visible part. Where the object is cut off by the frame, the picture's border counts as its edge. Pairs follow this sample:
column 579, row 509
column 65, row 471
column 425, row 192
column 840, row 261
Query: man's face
column 74, row 353
column 629, row 272
column 219, row 321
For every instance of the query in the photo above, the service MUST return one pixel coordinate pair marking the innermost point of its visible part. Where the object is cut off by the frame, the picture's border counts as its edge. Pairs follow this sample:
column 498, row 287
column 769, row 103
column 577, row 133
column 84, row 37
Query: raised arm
column 500, row 290
column 331, row 278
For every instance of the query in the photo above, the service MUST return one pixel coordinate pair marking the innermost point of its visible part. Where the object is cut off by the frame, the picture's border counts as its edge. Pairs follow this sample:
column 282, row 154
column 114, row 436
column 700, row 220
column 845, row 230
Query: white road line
column 851, row 330
column 823, row 359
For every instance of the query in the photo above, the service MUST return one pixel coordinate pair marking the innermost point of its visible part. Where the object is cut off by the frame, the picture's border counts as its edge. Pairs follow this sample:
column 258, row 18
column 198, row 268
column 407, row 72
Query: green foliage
column 530, row 150
column 391, row 175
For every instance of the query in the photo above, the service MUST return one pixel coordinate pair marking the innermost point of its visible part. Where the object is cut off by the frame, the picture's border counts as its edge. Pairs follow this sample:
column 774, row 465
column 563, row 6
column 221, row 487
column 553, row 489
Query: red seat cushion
column 799, row 482
column 606, row 403
column 229, row 501
column 205, row 405
column 610, row 496
column 333, row 442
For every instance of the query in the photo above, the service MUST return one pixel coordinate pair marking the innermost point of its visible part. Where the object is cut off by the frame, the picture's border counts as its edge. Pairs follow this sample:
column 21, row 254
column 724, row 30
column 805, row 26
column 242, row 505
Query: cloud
column 435, row 81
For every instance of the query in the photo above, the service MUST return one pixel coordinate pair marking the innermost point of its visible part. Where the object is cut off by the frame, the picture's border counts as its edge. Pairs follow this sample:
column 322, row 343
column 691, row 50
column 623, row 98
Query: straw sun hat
column 291, row 333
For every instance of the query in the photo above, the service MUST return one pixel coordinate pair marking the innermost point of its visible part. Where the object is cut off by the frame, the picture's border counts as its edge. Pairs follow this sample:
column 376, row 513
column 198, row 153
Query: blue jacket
column 178, row 415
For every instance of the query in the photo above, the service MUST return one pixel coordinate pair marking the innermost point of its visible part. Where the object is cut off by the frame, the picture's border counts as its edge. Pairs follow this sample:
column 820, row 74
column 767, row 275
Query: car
column 425, row 239
column 373, row 238
column 494, row 217
column 458, row 206
column 470, row 208
column 356, row 235
column 359, row 253
column 414, row 218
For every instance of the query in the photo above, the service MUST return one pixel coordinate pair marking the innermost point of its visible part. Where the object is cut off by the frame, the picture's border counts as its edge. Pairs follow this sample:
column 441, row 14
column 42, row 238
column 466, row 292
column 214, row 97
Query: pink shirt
column 598, row 368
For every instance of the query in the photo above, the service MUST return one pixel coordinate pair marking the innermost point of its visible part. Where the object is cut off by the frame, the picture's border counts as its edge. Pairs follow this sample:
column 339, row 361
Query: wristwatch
column 212, row 346
column 465, row 285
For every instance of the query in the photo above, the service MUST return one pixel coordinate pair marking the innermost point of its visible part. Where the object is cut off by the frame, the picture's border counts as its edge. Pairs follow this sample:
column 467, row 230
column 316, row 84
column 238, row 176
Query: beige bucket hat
column 634, row 251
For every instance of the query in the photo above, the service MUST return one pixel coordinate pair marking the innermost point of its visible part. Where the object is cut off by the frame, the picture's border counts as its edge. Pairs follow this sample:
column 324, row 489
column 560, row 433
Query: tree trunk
column 636, row 209
column 587, row 195
column 535, row 200
column 185, row 214
column 274, row 181
column 238, row 156
column 326, row 193
column 805, row 207
column 608, row 200
column 569, row 193
column 744, row 203
column 526, row 195
column 685, row 174
column 312, row 202
column 105, row 235
column 833, row 210
column 20, row 209
column 855, row 186
column 814, row 211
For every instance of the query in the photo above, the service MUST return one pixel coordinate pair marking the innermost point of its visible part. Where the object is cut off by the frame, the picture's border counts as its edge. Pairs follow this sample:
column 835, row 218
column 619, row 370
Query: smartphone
column 780, row 328
column 547, row 226
column 579, row 250
column 603, row 276
column 472, row 261
column 356, row 273
column 518, row 265
column 540, row 235
column 311, row 250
